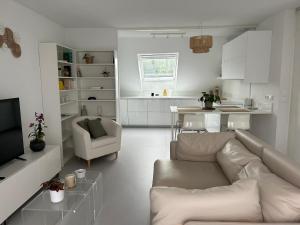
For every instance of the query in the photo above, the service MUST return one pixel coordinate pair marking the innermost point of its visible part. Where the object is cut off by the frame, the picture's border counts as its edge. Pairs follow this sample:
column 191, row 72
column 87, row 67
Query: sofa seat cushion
column 190, row 175
column 238, row 202
column 103, row 141
column 201, row 147
column 280, row 200
column 233, row 157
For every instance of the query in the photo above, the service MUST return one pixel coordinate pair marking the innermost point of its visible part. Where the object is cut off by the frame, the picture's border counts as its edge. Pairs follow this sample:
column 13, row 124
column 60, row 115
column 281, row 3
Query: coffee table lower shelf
column 80, row 206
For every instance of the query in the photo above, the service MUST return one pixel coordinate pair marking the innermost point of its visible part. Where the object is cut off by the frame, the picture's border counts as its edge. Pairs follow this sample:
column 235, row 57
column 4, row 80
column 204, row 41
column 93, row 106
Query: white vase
column 57, row 196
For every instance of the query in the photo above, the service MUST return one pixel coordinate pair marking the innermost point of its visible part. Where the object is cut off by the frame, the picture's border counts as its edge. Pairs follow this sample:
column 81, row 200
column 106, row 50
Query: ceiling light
column 201, row 44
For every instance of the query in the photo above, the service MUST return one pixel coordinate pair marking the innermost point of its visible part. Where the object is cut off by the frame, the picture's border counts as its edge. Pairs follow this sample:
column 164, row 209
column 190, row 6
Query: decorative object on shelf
column 70, row 181
column 68, row 57
column 92, row 98
column 1, row 41
column 67, row 71
column 79, row 74
column 209, row 99
column 37, row 143
column 105, row 73
column 61, row 85
column 165, row 92
column 99, row 110
column 152, row 94
column 89, row 59
column 67, row 84
column 101, row 87
column 80, row 173
column 9, row 39
column 84, row 110
column 201, row 44
column 56, row 190
column 59, row 71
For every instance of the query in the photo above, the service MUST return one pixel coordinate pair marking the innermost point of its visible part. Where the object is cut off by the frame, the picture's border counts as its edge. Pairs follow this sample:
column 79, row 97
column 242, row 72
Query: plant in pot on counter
column 37, row 142
column 209, row 99
column 56, row 190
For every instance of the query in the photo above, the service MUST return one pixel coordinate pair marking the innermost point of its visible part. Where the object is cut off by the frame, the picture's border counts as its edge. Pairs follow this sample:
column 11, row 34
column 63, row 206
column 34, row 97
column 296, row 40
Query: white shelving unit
column 94, row 83
column 60, row 102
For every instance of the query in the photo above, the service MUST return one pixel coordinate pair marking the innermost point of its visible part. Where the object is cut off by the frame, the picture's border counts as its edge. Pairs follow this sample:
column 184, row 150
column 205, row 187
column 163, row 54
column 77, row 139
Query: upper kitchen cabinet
column 247, row 57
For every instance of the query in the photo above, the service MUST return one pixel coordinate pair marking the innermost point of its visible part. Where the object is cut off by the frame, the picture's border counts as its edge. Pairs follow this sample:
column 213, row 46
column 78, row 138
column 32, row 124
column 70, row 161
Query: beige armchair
column 88, row 148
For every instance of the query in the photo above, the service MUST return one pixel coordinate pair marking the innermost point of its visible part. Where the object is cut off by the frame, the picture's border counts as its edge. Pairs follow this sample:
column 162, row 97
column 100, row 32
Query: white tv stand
column 24, row 178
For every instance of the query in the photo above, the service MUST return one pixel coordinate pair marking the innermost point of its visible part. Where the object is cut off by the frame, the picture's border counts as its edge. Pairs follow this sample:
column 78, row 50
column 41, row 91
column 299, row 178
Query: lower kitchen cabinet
column 150, row 112
column 159, row 119
column 138, row 118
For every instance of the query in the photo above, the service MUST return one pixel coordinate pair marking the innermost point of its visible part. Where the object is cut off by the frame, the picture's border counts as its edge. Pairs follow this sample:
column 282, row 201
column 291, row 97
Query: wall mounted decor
column 8, row 39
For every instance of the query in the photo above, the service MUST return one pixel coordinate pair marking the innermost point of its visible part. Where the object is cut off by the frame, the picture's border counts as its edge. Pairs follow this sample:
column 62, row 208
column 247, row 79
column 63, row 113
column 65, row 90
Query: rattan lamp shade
column 201, row 44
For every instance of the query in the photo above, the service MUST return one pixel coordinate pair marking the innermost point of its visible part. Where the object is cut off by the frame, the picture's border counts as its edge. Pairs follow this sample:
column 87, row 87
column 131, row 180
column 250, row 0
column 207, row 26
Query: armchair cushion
column 104, row 140
column 84, row 124
column 96, row 129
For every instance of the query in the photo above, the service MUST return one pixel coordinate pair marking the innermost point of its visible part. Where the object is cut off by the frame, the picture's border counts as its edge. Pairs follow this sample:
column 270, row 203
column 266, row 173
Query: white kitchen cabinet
column 138, row 118
column 159, row 118
column 150, row 112
column 137, row 105
column 247, row 57
column 123, row 112
column 154, row 105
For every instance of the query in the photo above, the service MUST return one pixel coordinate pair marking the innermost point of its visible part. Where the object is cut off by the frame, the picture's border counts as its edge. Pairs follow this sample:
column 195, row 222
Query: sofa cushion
column 84, row 124
column 282, row 166
column 280, row 200
column 238, row 202
column 201, row 147
column 96, row 129
column 191, row 175
column 103, row 141
column 233, row 157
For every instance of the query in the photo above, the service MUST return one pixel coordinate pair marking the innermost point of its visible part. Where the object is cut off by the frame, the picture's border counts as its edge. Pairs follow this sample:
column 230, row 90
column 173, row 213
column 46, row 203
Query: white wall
column 196, row 72
column 294, row 131
column 20, row 77
column 273, row 129
column 92, row 38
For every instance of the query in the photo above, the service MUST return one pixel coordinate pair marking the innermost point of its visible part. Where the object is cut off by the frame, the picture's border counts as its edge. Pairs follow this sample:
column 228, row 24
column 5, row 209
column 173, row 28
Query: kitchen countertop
column 175, row 109
column 160, row 97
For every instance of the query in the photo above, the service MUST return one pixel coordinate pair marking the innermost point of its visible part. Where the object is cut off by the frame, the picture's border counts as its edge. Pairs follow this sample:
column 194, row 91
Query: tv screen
column 11, row 138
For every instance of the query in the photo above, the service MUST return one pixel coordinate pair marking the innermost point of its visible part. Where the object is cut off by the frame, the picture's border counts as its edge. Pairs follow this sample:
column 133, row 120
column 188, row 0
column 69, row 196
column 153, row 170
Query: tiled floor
column 128, row 179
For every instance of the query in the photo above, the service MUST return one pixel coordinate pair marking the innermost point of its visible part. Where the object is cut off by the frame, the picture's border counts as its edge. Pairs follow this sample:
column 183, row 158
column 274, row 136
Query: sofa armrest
column 82, row 140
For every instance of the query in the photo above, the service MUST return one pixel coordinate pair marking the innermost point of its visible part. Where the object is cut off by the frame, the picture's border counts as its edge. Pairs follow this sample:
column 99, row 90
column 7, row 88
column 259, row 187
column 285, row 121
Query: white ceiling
column 156, row 13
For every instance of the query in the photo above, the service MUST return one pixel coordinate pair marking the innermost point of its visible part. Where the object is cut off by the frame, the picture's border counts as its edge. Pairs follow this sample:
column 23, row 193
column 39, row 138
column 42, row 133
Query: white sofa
column 88, row 148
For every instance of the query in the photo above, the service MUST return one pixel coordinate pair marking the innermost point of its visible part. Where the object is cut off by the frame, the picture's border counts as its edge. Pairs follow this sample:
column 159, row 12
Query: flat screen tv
column 11, row 138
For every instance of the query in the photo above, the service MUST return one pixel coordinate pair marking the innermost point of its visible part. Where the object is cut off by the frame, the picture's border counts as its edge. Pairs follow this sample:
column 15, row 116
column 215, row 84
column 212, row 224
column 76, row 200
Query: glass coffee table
column 80, row 206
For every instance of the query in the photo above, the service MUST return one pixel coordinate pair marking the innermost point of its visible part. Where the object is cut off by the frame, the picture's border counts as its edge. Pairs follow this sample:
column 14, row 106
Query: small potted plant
column 37, row 142
column 209, row 99
column 56, row 190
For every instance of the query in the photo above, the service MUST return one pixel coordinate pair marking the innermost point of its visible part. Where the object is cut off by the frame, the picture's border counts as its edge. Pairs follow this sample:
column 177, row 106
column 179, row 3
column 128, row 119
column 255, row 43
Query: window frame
column 156, row 79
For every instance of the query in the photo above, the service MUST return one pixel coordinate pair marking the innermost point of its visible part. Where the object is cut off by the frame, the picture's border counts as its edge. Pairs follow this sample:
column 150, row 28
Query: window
column 158, row 67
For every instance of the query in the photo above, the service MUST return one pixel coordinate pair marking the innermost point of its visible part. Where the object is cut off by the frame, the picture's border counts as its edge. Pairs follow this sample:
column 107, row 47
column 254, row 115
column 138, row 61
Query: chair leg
column 89, row 163
column 116, row 154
